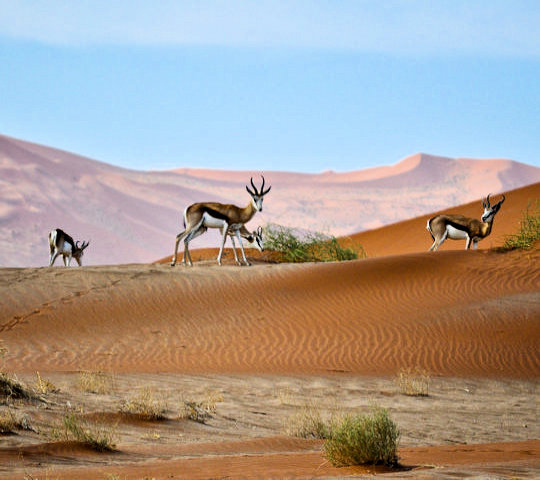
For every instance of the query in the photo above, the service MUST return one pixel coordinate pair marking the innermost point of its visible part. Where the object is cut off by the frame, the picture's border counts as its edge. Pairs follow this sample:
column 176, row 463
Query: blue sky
column 272, row 85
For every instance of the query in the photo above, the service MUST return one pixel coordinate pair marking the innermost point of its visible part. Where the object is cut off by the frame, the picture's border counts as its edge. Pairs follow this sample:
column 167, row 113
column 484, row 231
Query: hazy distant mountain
column 133, row 216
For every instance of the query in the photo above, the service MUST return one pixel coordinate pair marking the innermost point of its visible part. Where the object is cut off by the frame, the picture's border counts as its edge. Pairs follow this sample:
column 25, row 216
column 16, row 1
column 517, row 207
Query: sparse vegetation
column 529, row 231
column 194, row 411
column 307, row 422
column 93, row 435
column 297, row 247
column 95, row 382
column 44, row 386
column 9, row 422
column 413, row 381
column 12, row 389
column 363, row 439
column 146, row 404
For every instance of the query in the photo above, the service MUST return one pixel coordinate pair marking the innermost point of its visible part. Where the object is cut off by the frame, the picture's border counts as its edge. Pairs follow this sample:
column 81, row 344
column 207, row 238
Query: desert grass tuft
column 307, row 422
column 296, row 247
column 146, row 404
column 10, row 422
column 364, row 439
column 12, row 389
column 195, row 411
column 45, row 386
column 95, row 382
column 414, row 382
column 95, row 436
column 529, row 231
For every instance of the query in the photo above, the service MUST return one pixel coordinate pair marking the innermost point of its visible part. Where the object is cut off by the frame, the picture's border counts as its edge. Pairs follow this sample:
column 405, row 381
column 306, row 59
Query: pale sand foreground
column 266, row 340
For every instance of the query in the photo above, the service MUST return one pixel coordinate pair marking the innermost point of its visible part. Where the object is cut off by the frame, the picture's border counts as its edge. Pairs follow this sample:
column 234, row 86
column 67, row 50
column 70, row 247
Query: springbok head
column 79, row 251
column 491, row 210
column 257, row 195
column 258, row 241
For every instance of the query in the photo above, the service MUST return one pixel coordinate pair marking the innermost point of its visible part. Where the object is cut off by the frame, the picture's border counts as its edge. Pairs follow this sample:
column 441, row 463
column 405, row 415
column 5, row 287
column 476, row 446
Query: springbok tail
column 428, row 227
column 52, row 241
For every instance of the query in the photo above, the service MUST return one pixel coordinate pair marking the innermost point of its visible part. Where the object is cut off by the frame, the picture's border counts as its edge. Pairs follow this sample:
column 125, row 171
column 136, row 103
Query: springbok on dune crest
column 60, row 243
column 458, row 227
column 199, row 217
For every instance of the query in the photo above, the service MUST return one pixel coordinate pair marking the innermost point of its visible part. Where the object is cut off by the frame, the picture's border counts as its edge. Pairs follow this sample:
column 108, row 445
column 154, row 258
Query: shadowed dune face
column 453, row 313
column 411, row 235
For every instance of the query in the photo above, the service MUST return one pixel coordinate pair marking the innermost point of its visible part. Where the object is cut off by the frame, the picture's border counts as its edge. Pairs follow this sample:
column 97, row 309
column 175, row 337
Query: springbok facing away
column 458, row 227
column 60, row 243
column 255, row 238
column 199, row 217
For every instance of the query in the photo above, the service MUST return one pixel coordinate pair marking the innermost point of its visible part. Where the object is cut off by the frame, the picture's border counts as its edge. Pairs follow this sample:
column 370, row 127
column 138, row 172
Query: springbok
column 60, row 243
column 458, row 227
column 199, row 217
column 255, row 238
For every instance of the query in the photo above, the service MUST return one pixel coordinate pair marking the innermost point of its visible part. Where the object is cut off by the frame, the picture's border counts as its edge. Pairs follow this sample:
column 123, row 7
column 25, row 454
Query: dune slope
column 455, row 313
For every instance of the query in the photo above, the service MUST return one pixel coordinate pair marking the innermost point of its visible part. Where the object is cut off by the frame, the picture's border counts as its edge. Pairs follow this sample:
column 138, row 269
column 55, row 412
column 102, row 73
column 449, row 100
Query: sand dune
column 134, row 216
column 450, row 312
column 272, row 338
column 411, row 235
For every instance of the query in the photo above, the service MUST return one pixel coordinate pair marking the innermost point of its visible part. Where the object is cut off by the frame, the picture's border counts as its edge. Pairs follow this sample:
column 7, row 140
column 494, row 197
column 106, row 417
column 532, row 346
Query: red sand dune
column 458, row 314
column 447, row 312
column 133, row 216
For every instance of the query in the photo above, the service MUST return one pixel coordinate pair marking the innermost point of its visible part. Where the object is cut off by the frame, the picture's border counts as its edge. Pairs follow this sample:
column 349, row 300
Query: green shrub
column 300, row 247
column 364, row 439
column 529, row 231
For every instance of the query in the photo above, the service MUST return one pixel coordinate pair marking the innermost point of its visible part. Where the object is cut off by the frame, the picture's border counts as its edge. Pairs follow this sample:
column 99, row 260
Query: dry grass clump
column 93, row 435
column 12, row 389
column 195, row 411
column 44, row 386
column 95, row 382
column 363, row 439
column 9, row 422
column 414, row 382
column 307, row 422
column 146, row 404
column 201, row 411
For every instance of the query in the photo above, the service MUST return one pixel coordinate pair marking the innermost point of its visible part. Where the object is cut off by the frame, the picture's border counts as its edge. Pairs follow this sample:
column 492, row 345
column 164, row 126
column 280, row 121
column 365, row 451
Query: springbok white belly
column 212, row 222
column 455, row 233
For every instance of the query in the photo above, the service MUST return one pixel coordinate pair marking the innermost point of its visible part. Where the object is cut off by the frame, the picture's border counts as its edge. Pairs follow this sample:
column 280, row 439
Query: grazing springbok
column 255, row 238
column 458, row 227
column 60, row 243
column 199, row 217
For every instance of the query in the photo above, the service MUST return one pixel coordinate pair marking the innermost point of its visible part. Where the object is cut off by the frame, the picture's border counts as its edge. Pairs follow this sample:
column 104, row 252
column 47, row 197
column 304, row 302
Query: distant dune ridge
column 132, row 216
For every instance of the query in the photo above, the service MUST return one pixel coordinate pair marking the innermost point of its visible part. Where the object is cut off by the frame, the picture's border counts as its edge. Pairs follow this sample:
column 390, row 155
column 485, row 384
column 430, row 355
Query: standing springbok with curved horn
column 458, row 227
column 199, row 217
column 60, row 243
column 255, row 238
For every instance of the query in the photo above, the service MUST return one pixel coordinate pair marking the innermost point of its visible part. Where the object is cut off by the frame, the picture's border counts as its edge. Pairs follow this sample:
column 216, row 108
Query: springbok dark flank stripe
column 230, row 219
column 458, row 227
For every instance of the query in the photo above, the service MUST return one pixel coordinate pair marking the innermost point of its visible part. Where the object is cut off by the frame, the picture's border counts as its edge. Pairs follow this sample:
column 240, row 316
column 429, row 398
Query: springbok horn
column 254, row 187
column 487, row 200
